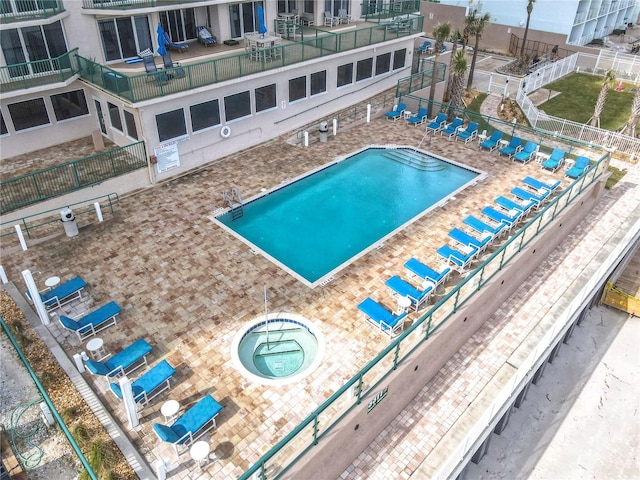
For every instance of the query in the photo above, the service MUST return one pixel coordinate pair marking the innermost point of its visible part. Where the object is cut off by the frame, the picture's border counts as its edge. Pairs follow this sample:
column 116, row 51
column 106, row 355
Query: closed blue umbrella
column 162, row 49
column 263, row 26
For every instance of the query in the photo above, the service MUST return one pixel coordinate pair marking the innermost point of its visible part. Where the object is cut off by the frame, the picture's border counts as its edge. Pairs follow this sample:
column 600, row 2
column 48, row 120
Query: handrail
column 28, row 9
column 39, row 72
column 47, row 399
column 429, row 322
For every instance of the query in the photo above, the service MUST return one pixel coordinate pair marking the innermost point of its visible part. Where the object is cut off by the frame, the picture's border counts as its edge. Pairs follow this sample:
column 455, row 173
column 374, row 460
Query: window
column 31, row 113
column 237, row 106
column 205, row 115
column 3, row 126
column 130, row 122
column 318, row 82
column 345, row 74
column 297, row 88
column 363, row 69
column 171, row 125
column 383, row 63
column 334, row 6
column 29, row 44
column 399, row 58
column 265, row 97
column 243, row 18
column 124, row 37
column 114, row 116
column 179, row 24
column 69, row 104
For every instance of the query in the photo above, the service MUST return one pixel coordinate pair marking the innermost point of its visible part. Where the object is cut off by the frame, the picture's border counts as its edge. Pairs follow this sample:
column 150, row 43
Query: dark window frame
column 20, row 125
column 231, row 101
column 130, row 124
column 297, row 86
column 364, row 69
column 313, row 81
column 172, row 116
column 343, row 69
column 209, row 121
column 263, row 101
column 58, row 105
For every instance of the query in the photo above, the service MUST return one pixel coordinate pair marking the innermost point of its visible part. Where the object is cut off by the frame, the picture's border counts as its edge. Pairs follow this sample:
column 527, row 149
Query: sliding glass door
column 243, row 18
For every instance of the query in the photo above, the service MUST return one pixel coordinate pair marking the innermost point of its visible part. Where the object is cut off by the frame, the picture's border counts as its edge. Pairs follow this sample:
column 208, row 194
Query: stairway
column 415, row 160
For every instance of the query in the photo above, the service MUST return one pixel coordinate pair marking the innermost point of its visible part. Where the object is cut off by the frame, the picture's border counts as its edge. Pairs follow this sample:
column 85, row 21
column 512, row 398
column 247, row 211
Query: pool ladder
column 237, row 210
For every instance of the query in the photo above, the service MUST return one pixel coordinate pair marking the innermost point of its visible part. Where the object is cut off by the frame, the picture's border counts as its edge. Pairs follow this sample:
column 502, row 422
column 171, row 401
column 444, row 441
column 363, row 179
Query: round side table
column 403, row 304
column 169, row 410
column 96, row 348
column 200, row 453
column 52, row 282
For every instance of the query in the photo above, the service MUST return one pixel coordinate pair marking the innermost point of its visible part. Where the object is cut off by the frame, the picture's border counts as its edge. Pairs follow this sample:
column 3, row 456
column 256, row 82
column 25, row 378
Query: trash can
column 69, row 222
column 324, row 132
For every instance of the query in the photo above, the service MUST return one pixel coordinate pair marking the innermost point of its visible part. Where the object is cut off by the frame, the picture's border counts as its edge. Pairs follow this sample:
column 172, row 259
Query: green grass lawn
column 579, row 93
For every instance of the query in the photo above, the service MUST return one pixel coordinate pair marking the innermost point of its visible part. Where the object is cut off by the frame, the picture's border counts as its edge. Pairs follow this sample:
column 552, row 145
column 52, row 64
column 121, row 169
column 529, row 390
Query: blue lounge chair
column 509, row 218
column 484, row 228
column 126, row 361
column 419, row 118
column 555, row 160
column 536, row 184
column 451, row 129
column 171, row 45
column 397, row 112
column 191, row 425
column 93, row 322
column 426, row 45
column 205, row 37
column 582, row 163
column 491, row 143
column 468, row 133
column 459, row 261
column 438, row 123
column 420, row 270
column 526, row 154
column 62, row 294
column 418, row 298
column 508, row 204
column 465, row 240
column 514, row 147
column 527, row 195
column 151, row 384
column 381, row 318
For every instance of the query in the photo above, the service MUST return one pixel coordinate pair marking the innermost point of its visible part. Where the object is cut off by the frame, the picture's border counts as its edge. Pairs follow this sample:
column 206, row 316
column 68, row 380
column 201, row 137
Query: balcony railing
column 131, row 4
column 41, row 72
column 315, row 43
column 20, row 10
column 384, row 10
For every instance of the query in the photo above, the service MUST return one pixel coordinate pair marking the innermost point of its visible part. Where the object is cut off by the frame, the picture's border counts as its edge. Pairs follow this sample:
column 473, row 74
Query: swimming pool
column 321, row 222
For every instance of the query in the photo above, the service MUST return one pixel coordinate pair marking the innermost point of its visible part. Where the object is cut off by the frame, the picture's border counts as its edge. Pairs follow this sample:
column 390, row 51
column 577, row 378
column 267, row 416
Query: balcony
column 137, row 4
column 314, row 43
column 21, row 10
column 41, row 72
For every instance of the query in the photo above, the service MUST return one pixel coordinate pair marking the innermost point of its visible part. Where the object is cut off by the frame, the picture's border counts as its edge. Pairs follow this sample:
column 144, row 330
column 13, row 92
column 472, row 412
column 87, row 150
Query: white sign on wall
column 167, row 157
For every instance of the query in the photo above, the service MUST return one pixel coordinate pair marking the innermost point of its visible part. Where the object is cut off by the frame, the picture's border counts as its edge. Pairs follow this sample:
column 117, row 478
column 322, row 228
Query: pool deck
column 187, row 287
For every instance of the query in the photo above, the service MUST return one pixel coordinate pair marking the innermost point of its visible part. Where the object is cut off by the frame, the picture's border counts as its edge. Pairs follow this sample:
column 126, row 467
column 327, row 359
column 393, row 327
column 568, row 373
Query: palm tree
column 607, row 83
column 478, row 28
column 455, row 38
column 526, row 29
column 458, row 71
column 469, row 20
column 634, row 116
column 440, row 32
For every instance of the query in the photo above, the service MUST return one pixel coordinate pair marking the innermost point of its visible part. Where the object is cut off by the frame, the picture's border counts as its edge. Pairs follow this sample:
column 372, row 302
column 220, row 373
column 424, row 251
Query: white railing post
column 490, row 82
column 23, row 244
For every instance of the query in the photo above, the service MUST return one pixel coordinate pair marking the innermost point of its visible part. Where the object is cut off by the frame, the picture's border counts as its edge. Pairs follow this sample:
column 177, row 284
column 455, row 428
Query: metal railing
column 20, row 10
column 52, row 182
column 311, row 431
column 51, row 217
column 420, row 80
column 314, row 43
column 40, row 72
column 380, row 11
column 130, row 4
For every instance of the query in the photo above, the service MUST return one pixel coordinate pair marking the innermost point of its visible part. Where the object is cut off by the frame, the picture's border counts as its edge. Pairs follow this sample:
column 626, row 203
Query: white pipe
column 3, row 276
column 335, row 127
column 35, row 297
column 306, row 138
column 77, row 358
column 23, row 244
column 98, row 211
column 129, row 403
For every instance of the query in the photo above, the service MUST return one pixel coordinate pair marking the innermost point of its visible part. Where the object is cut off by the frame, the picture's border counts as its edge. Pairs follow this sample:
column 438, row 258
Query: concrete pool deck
column 187, row 287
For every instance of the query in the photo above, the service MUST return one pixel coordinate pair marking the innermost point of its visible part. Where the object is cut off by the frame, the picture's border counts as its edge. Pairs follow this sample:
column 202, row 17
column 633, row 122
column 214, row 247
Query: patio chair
column 426, row 45
column 401, row 288
column 510, row 218
column 515, row 145
column 191, row 425
column 125, row 361
column 420, row 270
column 484, row 228
column 419, row 118
column 173, row 70
column 397, row 111
column 526, row 154
column 468, row 133
column 508, row 204
column 438, row 123
column 93, row 322
column 155, row 75
column 330, row 20
column 523, row 194
column 451, row 129
column 150, row 384
column 463, row 239
column 343, row 16
column 62, row 294
column 459, row 261
column 491, row 143
column 381, row 318
column 171, row 45
column 205, row 37
column 581, row 165
column 555, row 160
column 536, row 184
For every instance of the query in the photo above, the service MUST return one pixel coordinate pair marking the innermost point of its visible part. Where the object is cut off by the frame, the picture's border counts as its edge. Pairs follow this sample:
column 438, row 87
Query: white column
column 23, row 244
column 35, row 297
column 96, row 205
column 306, row 138
column 368, row 112
column 129, row 403
column 335, row 127
column 3, row 276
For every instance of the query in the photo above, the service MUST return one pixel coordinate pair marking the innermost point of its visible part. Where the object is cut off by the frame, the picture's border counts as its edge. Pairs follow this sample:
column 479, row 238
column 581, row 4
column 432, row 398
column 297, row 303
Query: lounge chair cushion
column 405, row 289
column 190, row 421
column 95, row 318
column 148, row 382
column 62, row 292
column 380, row 315
column 124, row 359
column 423, row 271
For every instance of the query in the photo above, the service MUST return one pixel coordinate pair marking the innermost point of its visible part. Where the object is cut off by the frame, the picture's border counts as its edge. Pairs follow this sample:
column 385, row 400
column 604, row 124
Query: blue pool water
column 321, row 222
